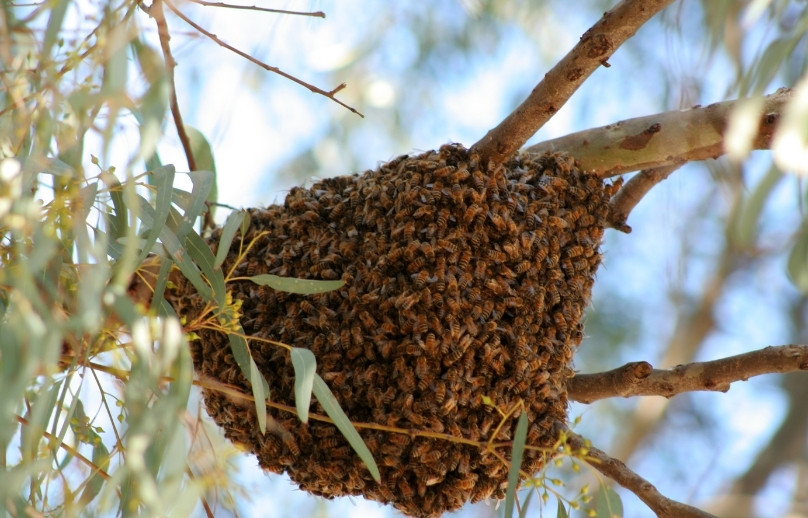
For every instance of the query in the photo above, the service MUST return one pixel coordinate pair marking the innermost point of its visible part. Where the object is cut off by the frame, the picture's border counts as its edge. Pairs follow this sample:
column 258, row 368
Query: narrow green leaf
column 517, row 450
column 526, row 502
column 201, row 254
column 203, row 156
column 609, row 504
column 231, row 226
column 305, row 366
column 797, row 266
column 260, row 388
column 245, row 224
column 291, row 285
column 117, row 220
column 203, row 182
column 163, row 178
column 96, row 482
column 57, row 16
column 332, row 408
column 746, row 222
column 562, row 511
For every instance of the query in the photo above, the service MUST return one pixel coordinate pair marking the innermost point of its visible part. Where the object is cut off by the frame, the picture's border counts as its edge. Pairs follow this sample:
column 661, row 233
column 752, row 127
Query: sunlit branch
column 316, row 14
column 330, row 94
column 662, row 140
column 641, row 379
column 615, row 469
column 593, row 50
column 633, row 191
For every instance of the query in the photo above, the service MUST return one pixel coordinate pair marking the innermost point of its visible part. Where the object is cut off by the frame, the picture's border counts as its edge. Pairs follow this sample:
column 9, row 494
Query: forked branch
column 641, row 379
column 616, row 470
column 593, row 50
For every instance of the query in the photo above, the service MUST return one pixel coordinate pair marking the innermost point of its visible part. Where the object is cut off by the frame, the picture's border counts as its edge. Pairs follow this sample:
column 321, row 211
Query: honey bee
column 581, row 264
column 513, row 302
column 440, row 392
column 587, row 220
column 407, row 382
column 457, row 194
column 389, row 395
column 468, row 482
column 611, row 189
column 443, row 171
column 431, row 456
column 409, row 230
column 430, row 344
column 423, row 325
column 420, row 279
column 407, row 301
column 497, row 221
column 375, row 397
column 367, row 320
column 413, row 350
column 471, row 213
column 399, row 439
column 424, row 211
column 496, row 256
column 449, row 404
column 465, row 257
column 421, row 367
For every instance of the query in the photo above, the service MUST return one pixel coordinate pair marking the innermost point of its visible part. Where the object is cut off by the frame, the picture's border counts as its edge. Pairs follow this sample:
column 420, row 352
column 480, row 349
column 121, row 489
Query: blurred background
column 703, row 274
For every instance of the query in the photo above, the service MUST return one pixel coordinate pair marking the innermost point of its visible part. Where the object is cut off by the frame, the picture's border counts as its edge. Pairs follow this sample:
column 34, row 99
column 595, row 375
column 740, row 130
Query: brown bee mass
column 461, row 284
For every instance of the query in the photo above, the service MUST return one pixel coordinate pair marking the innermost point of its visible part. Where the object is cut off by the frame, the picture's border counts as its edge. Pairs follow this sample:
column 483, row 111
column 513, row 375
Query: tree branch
column 156, row 12
column 630, row 194
column 330, row 94
column 662, row 140
column 640, row 379
column 615, row 469
column 316, row 14
column 593, row 50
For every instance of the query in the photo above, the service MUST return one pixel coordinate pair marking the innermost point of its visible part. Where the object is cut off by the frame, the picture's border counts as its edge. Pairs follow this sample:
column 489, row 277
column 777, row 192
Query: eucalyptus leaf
column 517, row 450
column 797, row 266
column 335, row 412
column 231, row 226
column 300, row 286
column 305, row 366
column 609, row 503
column 260, row 388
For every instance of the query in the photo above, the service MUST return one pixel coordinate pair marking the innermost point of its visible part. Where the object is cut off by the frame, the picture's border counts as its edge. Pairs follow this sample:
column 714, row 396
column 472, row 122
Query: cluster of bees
column 463, row 296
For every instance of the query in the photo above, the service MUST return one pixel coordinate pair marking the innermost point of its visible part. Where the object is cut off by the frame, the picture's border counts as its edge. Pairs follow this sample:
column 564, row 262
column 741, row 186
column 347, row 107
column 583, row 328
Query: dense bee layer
column 460, row 284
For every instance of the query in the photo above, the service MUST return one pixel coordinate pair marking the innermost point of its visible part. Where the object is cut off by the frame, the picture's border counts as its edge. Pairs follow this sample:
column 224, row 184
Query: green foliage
column 516, row 463
column 329, row 403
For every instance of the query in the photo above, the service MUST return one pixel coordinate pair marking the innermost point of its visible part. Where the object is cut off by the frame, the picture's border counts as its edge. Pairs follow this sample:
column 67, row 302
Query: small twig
column 632, row 192
column 615, row 469
column 260, row 63
column 663, row 139
column 593, row 50
column 69, row 449
column 156, row 11
column 640, row 379
column 316, row 14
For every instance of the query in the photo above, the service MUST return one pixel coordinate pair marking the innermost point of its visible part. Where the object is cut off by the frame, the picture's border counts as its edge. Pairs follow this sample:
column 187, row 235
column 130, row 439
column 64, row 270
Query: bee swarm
column 460, row 283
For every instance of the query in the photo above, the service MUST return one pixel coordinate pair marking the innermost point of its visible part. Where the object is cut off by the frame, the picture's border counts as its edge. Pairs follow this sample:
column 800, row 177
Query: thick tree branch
column 662, row 140
column 640, row 379
column 593, row 50
column 615, row 469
